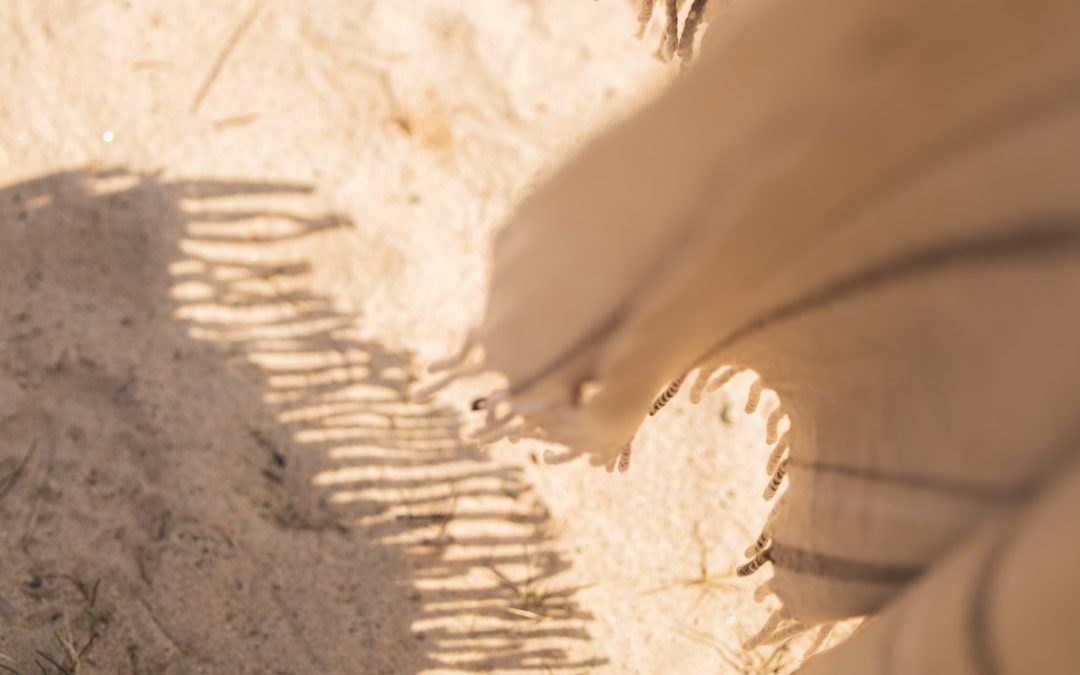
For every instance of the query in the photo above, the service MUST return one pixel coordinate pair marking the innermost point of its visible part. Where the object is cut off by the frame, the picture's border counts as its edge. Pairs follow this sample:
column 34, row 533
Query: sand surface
column 230, row 234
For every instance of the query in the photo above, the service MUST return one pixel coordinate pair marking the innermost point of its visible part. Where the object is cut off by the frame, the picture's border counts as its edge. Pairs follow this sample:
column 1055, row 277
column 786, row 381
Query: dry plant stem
column 223, row 56
column 534, row 602
column 7, row 483
column 73, row 650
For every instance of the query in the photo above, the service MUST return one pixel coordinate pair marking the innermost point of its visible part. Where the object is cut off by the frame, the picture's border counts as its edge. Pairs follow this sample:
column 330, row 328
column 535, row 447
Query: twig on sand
column 180, row 646
column 289, row 616
column 6, row 668
column 706, row 580
column 72, row 649
column 31, row 520
column 534, row 602
column 223, row 55
column 7, row 483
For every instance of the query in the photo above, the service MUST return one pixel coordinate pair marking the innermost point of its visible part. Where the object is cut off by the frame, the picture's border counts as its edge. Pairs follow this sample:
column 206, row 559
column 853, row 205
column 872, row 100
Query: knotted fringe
column 497, row 429
column 666, row 396
column 425, row 393
column 774, row 482
column 690, row 27
column 458, row 359
column 822, row 635
column 645, row 11
column 671, row 42
column 758, row 546
column 776, row 455
column 772, row 624
column 704, row 385
column 754, row 564
column 721, row 380
column 754, row 397
column 503, row 420
column 468, row 361
column 700, row 382
column 772, row 426
column 780, row 627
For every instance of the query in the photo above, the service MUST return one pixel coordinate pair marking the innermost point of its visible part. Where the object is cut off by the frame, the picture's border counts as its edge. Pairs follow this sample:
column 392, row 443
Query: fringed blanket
column 876, row 208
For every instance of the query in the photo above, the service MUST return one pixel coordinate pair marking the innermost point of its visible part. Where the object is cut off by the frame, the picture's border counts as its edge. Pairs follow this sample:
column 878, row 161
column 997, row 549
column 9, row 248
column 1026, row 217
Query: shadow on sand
column 202, row 417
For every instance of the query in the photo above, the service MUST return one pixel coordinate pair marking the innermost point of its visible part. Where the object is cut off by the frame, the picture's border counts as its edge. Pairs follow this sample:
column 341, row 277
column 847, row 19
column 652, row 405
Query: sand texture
column 230, row 234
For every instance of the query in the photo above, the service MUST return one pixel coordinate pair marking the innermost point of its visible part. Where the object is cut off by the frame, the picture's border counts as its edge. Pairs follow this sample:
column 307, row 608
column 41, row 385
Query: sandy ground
column 231, row 231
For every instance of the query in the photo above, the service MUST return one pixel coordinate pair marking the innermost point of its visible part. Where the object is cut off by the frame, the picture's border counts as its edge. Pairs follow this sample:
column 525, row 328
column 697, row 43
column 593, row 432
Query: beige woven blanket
column 876, row 208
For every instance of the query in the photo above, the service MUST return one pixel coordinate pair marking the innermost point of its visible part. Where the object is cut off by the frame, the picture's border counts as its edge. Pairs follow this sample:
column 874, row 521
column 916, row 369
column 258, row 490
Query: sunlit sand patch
column 327, row 376
column 346, row 393
column 456, row 471
column 266, row 228
column 192, row 291
column 234, row 252
column 114, row 182
column 243, row 333
column 232, row 273
column 251, row 314
column 369, row 452
column 187, row 267
column 310, row 413
column 286, row 359
column 271, row 282
column 400, row 425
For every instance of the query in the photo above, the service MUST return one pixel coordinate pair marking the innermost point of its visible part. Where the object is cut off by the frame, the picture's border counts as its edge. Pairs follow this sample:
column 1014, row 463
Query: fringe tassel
column 772, row 426
column 671, row 43
column 645, row 13
column 770, row 626
column 458, row 359
column 759, row 545
column 776, row 455
column 670, row 40
column 666, row 395
column 774, row 483
column 698, row 388
column 786, row 632
column 754, row 564
column 754, row 397
column 690, row 27
column 723, row 379
column 492, row 405
column 553, row 458
column 425, row 393
column 761, row 592
column 497, row 429
column 823, row 633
